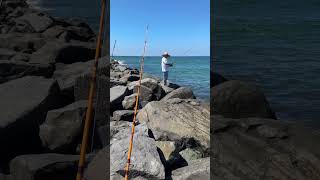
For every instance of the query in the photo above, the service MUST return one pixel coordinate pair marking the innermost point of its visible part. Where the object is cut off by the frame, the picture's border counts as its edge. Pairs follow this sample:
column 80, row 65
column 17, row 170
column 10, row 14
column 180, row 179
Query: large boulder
column 67, row 120
column 21, row 41
column 123, row 115
column 69, row 33
column 6, row 53
column 38, row 21
column 45, row 166
column 129, row 102
column 167, row 148
column 99, row 167
column 117, row 95
column 216, row 79
column 16, row 69
column 253, row 148
column 145, row 159
column 150, row 90
column 80, row 73
column 55, row 51
column 196, row 170
column 24, row 105
column 182, row 118
column 181, row 93
column 236, row 99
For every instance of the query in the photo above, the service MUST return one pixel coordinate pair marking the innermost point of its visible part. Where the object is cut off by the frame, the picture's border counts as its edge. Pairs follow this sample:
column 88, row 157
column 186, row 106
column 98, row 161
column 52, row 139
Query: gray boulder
column 196, row 170
column 70, row 33
column 123, row 115
column 117, row 95
column 181, row 93
column 216, row 79
column 150, row 90
column 38, row 21
column 145, row 159
column 55, row 51
column 21, row 41
column 236, row 99
column 74, row 78
column 6, row 54
column 190, row 154
column 167, row 148
column 10, row 70
column 263, row 148
column 129, row 102
column 99, row 167
column 67, row 120
column 24, row 105
column 44, row 166
column 179, row 117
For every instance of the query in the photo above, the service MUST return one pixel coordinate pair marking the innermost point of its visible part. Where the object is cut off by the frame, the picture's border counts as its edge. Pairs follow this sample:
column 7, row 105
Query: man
column 165, row 66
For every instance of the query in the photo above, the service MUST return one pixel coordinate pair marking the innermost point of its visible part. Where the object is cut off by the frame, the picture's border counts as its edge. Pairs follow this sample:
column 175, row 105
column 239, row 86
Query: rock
column 129, row 78
column 236, row 99
column 80, row 72
column 197, row 170
column 129, row 102
column 178, row 117
column 216, row 79
column 72, row 33
column 169, row 88
column 21, row 57
column 167, row 148
column 99, row 167
column 117, row 82
column 123, row 115
column 44, row 166
column 67, row 120
column 21, row 41
column 150, row 90
column 19, row 125
column 14, row 3
column 260, row 149
column 181, row 93
column 17, row 69
column 145, row 160
column 117, row 95
column 6, row 54
column 55, row 51
column 190, row 154
column 122, row 130
column 104, row 135
column 38, row 21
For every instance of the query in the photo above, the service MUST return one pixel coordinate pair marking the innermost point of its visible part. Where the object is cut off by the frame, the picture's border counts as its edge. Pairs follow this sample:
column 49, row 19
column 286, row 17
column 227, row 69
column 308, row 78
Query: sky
column 181, row 27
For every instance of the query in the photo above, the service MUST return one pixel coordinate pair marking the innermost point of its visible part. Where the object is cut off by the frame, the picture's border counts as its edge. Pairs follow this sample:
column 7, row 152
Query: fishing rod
column 88, row 117
column 136, row 108
column 114, row 45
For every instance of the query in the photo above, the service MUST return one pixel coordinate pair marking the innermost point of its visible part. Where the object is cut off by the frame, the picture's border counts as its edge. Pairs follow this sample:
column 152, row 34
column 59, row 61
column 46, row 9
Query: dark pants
column 165, row 77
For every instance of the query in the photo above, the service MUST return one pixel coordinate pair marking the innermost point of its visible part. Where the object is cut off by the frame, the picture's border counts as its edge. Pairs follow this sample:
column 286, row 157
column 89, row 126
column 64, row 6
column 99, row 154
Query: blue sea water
column 188, row 71
column 275, row 44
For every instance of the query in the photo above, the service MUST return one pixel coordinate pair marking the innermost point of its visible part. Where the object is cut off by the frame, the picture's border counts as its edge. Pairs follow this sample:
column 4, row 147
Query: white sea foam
column 36, row 4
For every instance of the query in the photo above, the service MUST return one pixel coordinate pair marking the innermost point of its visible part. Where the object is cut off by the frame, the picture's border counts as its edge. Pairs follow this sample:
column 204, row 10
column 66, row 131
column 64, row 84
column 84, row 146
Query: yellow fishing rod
column 127, row 168
column 88, row 117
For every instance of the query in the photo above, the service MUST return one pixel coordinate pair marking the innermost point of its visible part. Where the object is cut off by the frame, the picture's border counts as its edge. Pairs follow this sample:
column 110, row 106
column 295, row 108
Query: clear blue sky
column 174, row 26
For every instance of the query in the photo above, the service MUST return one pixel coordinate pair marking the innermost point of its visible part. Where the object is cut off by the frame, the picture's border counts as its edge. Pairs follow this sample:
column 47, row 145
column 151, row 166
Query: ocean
column 275, row 44
column 188, row 71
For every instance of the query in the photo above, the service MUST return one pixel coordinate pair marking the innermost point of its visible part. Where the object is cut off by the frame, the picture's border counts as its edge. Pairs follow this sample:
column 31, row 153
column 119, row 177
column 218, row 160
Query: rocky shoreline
column 173, row 134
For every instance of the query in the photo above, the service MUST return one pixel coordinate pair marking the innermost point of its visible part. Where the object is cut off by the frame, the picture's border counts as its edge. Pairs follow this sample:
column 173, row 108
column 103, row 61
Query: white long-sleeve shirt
column 164, row 65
